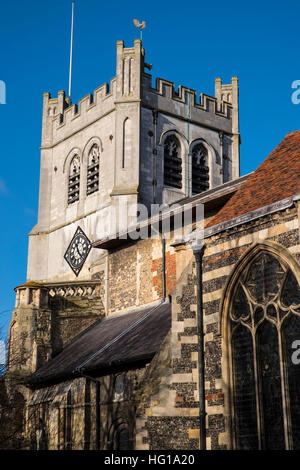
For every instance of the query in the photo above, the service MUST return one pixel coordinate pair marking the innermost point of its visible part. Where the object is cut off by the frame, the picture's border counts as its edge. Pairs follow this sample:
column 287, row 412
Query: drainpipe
column 198, row 253
column 188, row 176
column 154, row 181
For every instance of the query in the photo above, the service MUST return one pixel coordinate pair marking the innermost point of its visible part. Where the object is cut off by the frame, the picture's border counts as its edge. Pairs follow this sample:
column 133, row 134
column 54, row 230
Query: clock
column 78, row 250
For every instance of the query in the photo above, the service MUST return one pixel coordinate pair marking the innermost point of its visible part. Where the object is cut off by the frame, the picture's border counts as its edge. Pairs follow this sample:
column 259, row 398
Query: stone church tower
column 129, row 143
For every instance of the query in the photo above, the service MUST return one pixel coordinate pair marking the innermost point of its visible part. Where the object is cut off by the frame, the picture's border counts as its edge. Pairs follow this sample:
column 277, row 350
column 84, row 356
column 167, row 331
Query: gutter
column 243, row 219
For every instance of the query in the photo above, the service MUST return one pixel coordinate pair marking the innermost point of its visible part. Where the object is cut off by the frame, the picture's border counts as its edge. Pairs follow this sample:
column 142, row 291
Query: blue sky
column 189, row 42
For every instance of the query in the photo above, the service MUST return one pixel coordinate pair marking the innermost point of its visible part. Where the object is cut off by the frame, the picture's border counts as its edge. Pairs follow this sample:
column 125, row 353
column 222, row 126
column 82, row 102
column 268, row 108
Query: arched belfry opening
column 200, row 169
column 172, row 162
column 93, row 169
column 74, row 180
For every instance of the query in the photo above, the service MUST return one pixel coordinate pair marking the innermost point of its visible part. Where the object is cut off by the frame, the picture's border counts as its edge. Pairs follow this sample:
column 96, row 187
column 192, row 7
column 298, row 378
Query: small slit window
column 200, row 170
column 172, row 163
column 74, row 180
column 93, row 170
column 119, row 388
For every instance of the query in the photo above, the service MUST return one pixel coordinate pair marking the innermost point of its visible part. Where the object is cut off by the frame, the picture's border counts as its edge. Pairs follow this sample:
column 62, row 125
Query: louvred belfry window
column 172, row 163
column 264, row 322
column 200, row 170
column 93, row 170
column 74, row 180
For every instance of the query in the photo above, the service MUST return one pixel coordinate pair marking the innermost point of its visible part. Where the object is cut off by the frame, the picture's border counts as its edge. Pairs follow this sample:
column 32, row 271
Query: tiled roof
column 114, row 341
column 277, row 178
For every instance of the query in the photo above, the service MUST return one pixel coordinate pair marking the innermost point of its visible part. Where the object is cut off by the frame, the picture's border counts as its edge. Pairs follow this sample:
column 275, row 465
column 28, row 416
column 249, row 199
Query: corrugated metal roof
column 113, row 341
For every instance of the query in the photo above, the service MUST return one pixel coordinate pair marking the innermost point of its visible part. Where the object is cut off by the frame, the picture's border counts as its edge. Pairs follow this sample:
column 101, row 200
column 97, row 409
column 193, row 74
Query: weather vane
column 139, row 25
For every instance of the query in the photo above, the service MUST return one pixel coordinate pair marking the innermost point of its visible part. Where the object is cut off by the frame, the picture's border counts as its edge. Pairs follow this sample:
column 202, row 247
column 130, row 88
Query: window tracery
column 93, row 169
column 200, row 170
column 172, row 163
column 264, row 320
column 74, row 180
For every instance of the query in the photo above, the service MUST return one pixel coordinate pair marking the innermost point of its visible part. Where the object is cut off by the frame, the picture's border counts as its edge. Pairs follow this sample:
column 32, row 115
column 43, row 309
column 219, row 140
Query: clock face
column 78, row 251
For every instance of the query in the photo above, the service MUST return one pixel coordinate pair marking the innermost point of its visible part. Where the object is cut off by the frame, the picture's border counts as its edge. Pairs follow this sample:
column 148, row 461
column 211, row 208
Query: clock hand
column 76, row 248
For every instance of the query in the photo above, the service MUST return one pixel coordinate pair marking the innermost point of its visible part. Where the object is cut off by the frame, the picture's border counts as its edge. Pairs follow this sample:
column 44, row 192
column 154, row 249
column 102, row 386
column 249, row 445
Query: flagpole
column 71, row 53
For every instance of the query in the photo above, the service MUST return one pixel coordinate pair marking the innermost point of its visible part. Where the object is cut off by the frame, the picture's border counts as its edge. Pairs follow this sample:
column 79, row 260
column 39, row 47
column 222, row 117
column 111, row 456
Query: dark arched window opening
column 93, row 170
column 123, row 440
column 74, row 180
column 172, row 163
column 200, row 170
column 264, row 323
column 119, row 388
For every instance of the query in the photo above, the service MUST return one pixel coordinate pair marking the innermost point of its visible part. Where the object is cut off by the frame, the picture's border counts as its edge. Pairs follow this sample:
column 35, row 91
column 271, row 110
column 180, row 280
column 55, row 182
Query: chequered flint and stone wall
column 169, row 415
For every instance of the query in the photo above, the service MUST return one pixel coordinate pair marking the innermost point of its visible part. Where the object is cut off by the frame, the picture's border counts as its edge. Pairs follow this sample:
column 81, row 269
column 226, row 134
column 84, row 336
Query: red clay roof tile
column 277, row 178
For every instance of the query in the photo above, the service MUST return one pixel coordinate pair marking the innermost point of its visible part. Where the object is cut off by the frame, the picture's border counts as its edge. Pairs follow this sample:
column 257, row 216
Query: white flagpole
column 71, row 53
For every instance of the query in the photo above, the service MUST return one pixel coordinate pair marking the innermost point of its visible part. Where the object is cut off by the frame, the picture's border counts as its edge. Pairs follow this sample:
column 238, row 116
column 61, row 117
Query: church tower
column 129, row 143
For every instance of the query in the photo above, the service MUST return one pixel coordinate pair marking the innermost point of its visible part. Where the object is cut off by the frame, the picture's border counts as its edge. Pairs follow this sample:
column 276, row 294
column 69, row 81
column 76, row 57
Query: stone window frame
column 282, row 254
column 116, row 428
column 183, row 155
column 66, row 170
column 119, row 396
column 211, row 156
column 85, row 163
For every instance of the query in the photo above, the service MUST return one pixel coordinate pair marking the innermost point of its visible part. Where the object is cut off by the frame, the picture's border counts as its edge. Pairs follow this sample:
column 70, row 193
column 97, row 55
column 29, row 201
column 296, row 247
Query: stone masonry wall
column 169, row 418
column 135, row 274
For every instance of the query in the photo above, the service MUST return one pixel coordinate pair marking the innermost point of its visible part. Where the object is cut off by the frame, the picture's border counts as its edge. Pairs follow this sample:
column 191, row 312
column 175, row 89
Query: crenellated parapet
column 221, row 111
column 217, row 105
column 60, row 121
column 132, row 84
column 61, row 118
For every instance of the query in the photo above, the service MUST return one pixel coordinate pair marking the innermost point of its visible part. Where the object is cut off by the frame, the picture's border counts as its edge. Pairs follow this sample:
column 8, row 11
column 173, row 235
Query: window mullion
column 259, row 414
column 284, row 393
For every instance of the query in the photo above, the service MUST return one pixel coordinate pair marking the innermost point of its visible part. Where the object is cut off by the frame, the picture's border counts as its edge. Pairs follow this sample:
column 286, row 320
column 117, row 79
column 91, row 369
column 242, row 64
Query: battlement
column 61, row 118
column 221, row 104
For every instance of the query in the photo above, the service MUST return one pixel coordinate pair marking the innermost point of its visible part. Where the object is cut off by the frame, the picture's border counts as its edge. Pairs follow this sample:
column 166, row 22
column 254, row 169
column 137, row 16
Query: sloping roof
column 111, row 342
column 277, row 178
column 212, row 199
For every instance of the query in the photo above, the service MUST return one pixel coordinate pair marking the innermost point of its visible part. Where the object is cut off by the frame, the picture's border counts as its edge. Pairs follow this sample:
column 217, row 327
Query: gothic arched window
column 93, row 170
column 264, row 322
column 200, row 170
column 172, row 162
column 74, row 180
column 120, row 438
column 123, row 439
